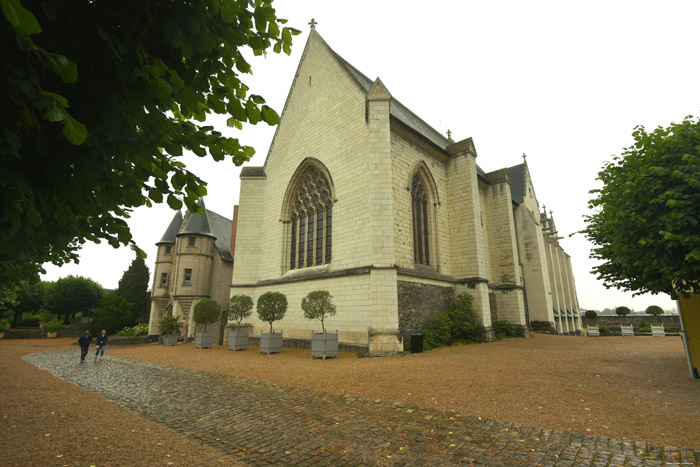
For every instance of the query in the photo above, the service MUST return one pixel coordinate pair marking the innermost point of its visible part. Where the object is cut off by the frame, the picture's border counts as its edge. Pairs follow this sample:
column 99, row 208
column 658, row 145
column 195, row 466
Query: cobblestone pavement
column 264, row 424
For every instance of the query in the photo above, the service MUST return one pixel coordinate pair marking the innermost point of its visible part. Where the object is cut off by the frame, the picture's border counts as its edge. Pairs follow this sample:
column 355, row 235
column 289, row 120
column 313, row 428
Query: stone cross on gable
column 313, row 23
column 524, row 157
column 449, row 134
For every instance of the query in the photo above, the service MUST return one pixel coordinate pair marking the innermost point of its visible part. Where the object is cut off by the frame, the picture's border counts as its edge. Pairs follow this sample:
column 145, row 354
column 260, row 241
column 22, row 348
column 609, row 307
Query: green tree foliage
column 113, row 313
column 206, row 311
column 503, row 328
column 239, row 308
column 645, row 221
column 318, row 305
column 591, row 314
column 654, row 310
column 271, row 307
column 100, row 98
column 170, row 325
column 622, row 311
column 31, row 298
column 133, row 286
column 73, row 294
column 459, row 323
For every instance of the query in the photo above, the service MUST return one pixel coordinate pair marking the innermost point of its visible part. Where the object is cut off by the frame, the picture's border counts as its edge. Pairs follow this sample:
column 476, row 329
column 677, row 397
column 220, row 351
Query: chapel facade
column 194, row 261
column 360, row 197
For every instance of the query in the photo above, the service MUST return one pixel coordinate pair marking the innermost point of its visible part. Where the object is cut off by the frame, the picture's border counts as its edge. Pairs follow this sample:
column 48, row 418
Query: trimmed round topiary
column 271, row 307
column 206, row 312
column 318, row 305
column 239, row 308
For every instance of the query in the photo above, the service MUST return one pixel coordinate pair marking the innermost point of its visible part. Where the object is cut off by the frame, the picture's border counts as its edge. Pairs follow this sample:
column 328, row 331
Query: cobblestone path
column 265, row 424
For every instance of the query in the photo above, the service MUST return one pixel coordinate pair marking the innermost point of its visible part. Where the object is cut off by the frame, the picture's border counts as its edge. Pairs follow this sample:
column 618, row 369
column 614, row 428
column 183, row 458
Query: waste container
column 416, row 342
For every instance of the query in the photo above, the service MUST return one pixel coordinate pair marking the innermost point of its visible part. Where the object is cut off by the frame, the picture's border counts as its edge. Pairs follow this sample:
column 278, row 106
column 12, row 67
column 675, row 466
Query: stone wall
column 614, row 322
column 420, row 302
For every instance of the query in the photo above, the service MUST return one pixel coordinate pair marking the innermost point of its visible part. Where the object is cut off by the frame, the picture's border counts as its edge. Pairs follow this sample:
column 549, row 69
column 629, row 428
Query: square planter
column 170, row 339
column 238, row 339
column 270, row 342
column 324, row 345
column 204, row 340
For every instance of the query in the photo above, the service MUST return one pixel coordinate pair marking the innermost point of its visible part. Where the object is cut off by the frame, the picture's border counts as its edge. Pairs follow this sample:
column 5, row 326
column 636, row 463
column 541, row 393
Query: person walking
column 100, row 343
column 84, row 342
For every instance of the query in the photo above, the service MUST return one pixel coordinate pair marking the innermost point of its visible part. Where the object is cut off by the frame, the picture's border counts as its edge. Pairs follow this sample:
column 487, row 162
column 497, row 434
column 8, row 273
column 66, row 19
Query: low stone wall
column 420, row 302
column 614, row 322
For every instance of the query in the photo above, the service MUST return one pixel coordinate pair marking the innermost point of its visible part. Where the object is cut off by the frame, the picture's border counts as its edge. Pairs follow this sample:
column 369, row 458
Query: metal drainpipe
column 684, row 338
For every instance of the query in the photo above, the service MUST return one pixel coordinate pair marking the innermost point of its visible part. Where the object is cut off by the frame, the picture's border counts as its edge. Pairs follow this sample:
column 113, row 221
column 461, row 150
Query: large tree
column 73, row 294
column 133, row 286
column 645, row 225
column 100, row 98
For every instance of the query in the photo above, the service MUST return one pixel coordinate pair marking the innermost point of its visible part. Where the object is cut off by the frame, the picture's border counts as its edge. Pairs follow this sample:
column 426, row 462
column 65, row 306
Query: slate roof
column 171, row 233
column 516, row 174
column 213, row 225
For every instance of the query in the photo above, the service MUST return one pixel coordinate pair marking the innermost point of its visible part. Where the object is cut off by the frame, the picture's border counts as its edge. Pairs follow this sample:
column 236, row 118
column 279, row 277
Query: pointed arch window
column 419, row 209
column 311, row 219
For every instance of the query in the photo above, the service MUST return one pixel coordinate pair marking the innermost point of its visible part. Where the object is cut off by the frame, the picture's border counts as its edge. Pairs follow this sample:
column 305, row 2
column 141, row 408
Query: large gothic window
column 419, row 208
column 311, row 219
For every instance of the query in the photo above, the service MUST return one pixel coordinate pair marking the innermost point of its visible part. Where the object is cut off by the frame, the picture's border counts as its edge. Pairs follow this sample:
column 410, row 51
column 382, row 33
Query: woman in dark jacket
column 100, row 343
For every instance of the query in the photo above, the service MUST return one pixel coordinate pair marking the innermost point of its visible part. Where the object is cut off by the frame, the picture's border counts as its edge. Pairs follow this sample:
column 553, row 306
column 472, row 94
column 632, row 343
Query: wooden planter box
column 238, row 339
column 270, row 342
column 52, row 335
column 170, row 339
column 324, row 345
column 204, row 340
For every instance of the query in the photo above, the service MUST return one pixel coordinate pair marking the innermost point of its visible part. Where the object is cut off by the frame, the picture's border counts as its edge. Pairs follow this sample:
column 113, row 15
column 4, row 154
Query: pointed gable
column 170, row 234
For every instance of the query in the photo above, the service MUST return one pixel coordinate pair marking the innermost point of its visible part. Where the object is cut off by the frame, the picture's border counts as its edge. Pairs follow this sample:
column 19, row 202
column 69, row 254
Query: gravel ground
column 627, row 388
column 49, row 422
column 635, row 388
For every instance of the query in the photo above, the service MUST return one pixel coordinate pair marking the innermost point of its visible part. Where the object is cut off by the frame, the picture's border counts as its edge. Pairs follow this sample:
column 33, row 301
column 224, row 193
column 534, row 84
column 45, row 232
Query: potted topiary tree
column 52, row 328
column 271, row 307
column 239, row 308
column 319, row 305
column 170, row 328
column 206, row 312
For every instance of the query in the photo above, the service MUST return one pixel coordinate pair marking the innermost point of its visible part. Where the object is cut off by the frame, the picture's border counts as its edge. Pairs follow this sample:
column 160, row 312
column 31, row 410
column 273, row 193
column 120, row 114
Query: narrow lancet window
column 419, row 208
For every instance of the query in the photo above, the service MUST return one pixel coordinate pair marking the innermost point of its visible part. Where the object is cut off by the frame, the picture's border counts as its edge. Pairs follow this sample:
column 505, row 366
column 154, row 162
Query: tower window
column 168, row 249
column 164, row 280
column 188, row 277
column 191, row 241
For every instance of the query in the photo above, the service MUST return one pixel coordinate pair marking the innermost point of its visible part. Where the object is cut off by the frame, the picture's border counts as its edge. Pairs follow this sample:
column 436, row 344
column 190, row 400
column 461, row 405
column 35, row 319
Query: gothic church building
column 360, row 197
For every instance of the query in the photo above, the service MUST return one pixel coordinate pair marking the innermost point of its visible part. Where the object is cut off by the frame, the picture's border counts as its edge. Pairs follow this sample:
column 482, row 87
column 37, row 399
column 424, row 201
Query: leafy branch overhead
column 645, row 222
column 100, row 99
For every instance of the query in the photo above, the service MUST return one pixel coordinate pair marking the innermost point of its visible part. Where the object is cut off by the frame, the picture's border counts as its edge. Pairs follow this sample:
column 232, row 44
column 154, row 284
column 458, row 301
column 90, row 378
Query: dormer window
column 191, row 241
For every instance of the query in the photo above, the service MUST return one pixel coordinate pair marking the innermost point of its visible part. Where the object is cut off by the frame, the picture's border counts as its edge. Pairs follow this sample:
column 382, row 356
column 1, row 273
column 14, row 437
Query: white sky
column 564, row 82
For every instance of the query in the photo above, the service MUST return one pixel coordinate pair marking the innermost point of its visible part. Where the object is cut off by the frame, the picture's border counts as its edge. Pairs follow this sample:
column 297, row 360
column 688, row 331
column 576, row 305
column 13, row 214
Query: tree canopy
column 113, row 313
column 654, row 310
column 206, row 311
column 239, row 308
column 271, row 307
column 99, row 101
column 645, row 222
column 318, row 305
column 622, row 311
column 133, row 286
column 73, row 294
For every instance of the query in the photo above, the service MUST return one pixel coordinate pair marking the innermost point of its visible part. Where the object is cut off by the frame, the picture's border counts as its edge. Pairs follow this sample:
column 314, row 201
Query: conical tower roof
column 197, row 224
column 171, row 233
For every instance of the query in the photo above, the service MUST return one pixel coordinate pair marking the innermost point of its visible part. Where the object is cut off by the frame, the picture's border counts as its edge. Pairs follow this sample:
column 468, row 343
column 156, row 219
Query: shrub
column 29, row 320
column 503, row 328
column 239, row 308
column 45, row 316
column 654, row 310
column 459, row 323
column 542, row 326
column 643, row 324
column 206, row 311
column 134, row 331
column 591, row 314
column 644, row 328
column 271, row 307
column 438, row 330
column 112, row 314
column 603, row 329
column 54, row 325
column 622, row 311
column 4, row 325
column 169, row 325
column 318, row 305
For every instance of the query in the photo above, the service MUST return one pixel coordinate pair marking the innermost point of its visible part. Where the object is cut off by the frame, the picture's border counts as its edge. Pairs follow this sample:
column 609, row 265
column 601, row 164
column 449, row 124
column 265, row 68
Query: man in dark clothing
column 84, row 342
column 100, row 343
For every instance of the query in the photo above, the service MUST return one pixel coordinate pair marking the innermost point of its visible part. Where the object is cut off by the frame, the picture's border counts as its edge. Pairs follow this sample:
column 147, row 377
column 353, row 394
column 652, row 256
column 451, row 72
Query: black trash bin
column 416, row 342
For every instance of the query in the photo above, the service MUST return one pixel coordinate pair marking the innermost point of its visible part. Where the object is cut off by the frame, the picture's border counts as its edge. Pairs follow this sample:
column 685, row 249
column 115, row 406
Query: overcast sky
column 564, row 82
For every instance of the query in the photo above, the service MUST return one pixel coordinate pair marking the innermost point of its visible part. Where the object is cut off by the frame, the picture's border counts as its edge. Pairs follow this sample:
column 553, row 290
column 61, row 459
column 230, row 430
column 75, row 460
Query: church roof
column 397, row 110
column 171, row 233
column 516, row 174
